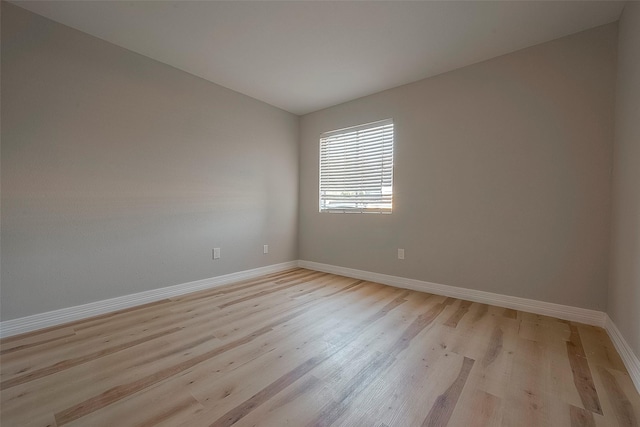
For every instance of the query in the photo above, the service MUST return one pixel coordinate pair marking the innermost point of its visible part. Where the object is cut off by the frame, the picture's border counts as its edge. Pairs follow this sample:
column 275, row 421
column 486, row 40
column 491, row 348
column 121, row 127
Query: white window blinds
column 356, row 169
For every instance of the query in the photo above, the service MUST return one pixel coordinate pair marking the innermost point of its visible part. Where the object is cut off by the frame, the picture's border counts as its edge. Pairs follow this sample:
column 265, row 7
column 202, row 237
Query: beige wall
column 120, row 174
column 502, row 176
column 624, row 285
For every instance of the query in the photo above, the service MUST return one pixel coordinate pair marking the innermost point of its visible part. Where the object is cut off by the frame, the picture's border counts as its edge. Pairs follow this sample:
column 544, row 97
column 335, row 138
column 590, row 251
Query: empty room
column 320, row 213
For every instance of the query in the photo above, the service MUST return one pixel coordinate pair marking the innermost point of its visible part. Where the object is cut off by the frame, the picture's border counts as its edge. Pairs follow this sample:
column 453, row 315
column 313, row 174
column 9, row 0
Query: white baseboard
column 575, row 314
column 630, row 360
column 70, row 314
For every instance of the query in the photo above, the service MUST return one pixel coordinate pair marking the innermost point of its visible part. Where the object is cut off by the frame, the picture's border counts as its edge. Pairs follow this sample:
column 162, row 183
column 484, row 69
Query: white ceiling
column 307, row 55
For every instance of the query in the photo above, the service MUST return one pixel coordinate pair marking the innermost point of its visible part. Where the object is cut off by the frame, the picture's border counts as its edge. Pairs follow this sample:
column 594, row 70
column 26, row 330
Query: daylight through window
column 356, row 169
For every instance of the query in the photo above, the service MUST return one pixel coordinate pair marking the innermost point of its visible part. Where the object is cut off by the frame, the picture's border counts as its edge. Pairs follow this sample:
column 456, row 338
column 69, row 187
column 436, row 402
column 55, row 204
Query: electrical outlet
column 265, row 249
column 400, row 253
column 216, row 253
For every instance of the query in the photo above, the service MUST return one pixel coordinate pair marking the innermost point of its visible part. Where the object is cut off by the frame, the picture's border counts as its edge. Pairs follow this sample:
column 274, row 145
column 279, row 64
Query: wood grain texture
column 510, row 313
column 442, row 409
column 459, row 314
column 305, row 348
column 581, row 417
column 582, row 377
column 622, row 407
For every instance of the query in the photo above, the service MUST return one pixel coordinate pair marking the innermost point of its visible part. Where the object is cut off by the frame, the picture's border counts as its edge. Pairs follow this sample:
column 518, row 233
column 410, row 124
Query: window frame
column 386, row 147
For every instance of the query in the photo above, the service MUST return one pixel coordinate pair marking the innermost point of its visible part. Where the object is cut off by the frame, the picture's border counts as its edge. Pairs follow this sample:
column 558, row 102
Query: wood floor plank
column 336, row 340
column 59, row 391
column 581, row 417
column 170, row 406
column 442, row 409
column 495, row 356
column 525, row 400
column 262, row 293
column 582, row 376
column 307, row 348
column 69, row 363
column 510, row 313
column 64, row 389
column 479, row 409
column 123, row 319
column 404, row 397
column 459, row 314
column 375, row 367
column 303, row 340
column 378, row 373
column 621, row 405
column 237, row 319
column 599, row 349
column 343, row 369
column 484, row 340
column 116, row 393
column 561, row 381
column 290, row 377
column 36, row 340
column 119, row 392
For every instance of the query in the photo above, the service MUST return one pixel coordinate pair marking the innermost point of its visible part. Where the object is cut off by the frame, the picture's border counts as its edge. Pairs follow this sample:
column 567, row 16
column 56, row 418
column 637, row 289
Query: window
column 356, row 169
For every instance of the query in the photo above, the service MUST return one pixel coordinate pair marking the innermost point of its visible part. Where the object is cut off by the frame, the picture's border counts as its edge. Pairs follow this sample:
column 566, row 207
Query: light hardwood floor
column 303, row 348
